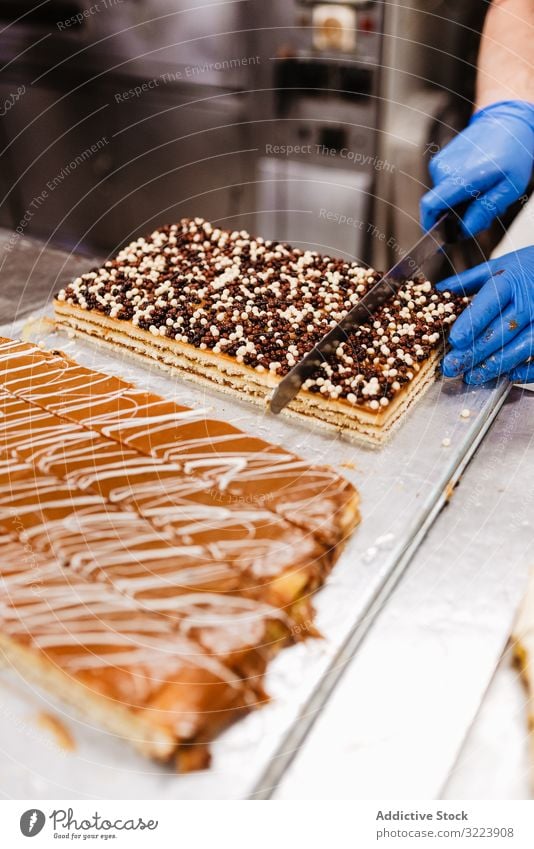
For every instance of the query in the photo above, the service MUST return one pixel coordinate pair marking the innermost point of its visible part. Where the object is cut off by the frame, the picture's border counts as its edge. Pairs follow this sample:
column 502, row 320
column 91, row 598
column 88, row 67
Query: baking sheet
column 402, row 486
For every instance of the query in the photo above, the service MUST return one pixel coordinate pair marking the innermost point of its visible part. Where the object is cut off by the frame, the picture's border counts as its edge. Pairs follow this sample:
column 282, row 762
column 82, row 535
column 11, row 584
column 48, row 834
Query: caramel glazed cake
column 153, row 559
column 225, row 309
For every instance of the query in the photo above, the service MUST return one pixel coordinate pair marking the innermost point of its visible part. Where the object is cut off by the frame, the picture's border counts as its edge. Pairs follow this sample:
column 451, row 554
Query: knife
column 383, row 290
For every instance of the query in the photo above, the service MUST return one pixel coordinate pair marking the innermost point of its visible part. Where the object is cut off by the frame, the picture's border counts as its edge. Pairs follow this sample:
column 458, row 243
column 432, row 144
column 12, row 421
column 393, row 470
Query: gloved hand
column 495, row 334
column 488, row 165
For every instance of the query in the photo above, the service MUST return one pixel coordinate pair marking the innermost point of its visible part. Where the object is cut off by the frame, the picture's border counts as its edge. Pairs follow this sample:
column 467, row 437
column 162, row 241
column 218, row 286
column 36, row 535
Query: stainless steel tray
column 403, row 487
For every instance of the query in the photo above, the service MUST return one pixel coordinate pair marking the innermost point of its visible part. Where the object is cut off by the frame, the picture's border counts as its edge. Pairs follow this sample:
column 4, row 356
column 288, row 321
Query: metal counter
column 416, row 691
column 410, row 669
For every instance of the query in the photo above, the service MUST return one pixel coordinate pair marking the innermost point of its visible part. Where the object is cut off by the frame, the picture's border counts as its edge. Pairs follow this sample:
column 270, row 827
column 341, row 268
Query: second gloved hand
column 495, row 334
column 488, row 165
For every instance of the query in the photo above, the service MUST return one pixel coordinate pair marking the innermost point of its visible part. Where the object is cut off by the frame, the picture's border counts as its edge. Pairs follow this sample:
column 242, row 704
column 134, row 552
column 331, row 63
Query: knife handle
column 452, row 230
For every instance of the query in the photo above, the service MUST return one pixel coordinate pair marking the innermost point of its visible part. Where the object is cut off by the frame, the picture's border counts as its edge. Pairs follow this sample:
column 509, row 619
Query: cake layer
column 139, row 509
column 227, row 612
column 240, row 467
column 118, row 665
column 254, row 541
column 239, row 312
column 197, row 594
column 363, row 424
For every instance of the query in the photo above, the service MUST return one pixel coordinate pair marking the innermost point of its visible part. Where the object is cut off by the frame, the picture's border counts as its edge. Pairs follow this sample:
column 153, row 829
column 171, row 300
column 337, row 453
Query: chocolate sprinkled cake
column 240, row 312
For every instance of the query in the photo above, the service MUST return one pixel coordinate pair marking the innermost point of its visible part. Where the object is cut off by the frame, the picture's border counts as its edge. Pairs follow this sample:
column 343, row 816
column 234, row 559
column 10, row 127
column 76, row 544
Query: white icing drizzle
column 266, row 474
column 88, row 463
column 127, row 523
column 52, row 609
column 90, row 543
column 118, row 547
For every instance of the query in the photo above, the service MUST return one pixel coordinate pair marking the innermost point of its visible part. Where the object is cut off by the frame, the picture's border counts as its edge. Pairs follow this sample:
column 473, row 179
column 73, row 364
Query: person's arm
column 488, row 165
column 506, row 57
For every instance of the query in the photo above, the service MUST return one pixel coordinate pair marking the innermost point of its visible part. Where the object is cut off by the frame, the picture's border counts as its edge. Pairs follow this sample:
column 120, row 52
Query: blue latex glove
column 495, row 334
column 488, row 165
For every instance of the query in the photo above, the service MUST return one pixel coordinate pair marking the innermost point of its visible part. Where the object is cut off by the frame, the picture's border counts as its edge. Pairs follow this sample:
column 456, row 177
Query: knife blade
column 384, row 289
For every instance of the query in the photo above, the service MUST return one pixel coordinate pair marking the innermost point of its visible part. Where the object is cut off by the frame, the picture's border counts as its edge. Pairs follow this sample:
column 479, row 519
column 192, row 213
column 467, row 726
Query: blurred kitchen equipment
column 304, row 121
